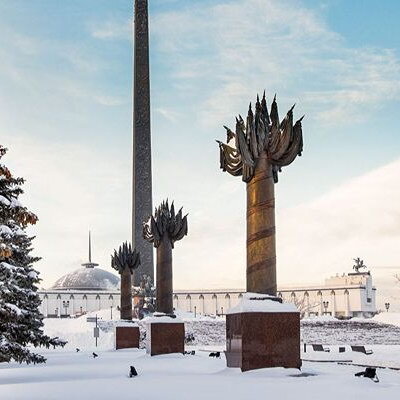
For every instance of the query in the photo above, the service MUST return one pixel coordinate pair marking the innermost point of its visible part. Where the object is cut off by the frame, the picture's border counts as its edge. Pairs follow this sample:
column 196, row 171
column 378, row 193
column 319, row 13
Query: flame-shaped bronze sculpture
column 125, row 261
column 263, row 145
column 163, row 230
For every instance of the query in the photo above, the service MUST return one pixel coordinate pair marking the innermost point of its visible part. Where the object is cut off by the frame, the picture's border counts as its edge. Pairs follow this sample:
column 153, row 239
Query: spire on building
column 90, row 264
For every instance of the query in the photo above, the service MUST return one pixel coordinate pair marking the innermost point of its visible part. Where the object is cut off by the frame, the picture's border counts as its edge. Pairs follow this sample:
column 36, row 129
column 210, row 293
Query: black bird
column 78, row 350
column 369, row 373
column 95, row 355
column 132, row 371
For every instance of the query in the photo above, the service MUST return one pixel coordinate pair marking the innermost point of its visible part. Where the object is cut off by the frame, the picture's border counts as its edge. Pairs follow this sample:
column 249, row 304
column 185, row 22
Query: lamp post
column 222, row 310
column 326, row 304
column 66, row 305
column 111, row 311
column 195, row 311
column 387, row 305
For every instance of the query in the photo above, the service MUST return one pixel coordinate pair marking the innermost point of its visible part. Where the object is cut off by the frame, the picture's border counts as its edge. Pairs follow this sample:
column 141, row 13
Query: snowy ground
column 382, row 329
column 68, row 374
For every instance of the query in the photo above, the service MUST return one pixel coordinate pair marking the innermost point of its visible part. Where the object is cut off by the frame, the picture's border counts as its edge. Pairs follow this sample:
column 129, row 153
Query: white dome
column 88, row 279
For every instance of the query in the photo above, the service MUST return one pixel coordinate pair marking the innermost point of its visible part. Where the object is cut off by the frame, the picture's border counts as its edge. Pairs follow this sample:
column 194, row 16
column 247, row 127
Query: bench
column 319, row 347
column 361, row 349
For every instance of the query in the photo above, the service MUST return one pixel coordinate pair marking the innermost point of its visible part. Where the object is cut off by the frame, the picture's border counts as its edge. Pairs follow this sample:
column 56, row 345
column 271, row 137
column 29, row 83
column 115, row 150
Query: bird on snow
column 132, row 371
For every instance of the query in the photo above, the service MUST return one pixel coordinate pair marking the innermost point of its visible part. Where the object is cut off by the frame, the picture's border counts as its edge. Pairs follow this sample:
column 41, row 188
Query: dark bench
column 319, row 347
column 361, row 349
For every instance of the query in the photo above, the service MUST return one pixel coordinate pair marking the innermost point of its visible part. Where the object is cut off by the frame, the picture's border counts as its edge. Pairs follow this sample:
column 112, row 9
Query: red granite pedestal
column 263, row 339
column 165, row 338
column 127, row 337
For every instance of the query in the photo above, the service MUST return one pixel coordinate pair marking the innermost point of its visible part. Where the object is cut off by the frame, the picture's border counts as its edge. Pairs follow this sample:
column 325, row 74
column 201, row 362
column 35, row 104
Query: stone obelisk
column 142, row 183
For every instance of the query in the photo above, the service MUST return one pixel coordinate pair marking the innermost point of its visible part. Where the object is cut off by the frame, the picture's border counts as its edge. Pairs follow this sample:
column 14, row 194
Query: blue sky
column 65, row 113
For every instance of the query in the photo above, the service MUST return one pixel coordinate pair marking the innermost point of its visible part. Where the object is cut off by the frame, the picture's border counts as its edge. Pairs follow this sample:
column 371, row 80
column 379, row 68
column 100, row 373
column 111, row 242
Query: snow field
column 77, row 375
column 172, row 377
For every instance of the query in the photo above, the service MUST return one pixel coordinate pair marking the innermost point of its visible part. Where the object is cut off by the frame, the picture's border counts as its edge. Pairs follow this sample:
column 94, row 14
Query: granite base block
column 127, row 337
column 165, row 338
column 263, row 340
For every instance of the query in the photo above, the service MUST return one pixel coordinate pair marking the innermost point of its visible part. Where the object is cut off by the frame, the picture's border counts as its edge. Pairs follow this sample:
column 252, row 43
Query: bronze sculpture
column 358, row 264
column 163, row 230
column 125, row 261
column 263, row 145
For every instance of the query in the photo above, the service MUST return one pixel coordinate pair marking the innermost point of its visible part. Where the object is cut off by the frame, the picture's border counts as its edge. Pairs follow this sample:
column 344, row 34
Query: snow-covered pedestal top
column 126, row 324
column 161, row 318
column 259, row 303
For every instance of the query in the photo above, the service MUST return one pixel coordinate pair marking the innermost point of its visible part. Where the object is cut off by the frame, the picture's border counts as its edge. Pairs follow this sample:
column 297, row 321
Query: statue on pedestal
column 165, row 333
column 125, row 261
column 262, row 146
column 261, row 331
column 163, row 230
column 358, row 265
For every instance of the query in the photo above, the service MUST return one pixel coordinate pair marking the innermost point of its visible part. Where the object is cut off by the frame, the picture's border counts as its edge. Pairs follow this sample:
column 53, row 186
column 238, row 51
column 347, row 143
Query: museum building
column 91, row 288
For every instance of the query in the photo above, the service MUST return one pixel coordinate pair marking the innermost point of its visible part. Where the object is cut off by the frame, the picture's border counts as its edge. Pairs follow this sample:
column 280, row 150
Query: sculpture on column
column 125, row 261
column 262, row 331
column 358, row 265
column 262, row 146
column 163, row 230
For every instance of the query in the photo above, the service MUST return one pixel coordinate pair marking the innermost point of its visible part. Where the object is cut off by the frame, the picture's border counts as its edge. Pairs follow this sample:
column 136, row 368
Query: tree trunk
column 261, row 251
column 164, row 277
column 126, row 294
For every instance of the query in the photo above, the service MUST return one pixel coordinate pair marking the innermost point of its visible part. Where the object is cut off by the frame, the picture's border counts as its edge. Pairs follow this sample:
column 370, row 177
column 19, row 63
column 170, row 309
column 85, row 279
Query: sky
column 66, row 117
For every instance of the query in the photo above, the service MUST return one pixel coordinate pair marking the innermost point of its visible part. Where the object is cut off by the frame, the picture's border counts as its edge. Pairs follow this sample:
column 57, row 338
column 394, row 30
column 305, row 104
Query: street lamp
column 66, row 305
column 387, row 305
column 326, row 304
column 222, row 310
column 111, row 311
column 195, row 310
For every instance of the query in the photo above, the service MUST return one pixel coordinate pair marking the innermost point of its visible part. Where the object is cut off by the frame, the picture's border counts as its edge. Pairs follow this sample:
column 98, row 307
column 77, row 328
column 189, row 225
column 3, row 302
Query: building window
column 369, row 300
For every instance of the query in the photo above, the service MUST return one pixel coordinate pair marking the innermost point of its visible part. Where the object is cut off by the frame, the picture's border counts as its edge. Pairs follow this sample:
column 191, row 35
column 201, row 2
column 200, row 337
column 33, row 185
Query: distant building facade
column 346, row 296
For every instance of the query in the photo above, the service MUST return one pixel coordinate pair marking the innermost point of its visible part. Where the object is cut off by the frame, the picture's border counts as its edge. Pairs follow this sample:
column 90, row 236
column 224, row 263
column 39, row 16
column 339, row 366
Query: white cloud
column 240, row 47
column 108, row 100
column 72, row 189
column 112, row 30
column 360, row 218
column 219, row 57
column 317, row 239
column 168, row 114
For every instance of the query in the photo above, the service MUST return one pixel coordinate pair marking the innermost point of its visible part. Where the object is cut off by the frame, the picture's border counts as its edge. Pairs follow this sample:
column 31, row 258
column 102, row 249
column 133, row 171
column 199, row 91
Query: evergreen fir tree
column 20, row 320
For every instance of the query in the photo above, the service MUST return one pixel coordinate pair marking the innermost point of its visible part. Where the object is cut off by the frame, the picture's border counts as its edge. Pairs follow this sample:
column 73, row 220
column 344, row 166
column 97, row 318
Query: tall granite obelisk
column 142, row 183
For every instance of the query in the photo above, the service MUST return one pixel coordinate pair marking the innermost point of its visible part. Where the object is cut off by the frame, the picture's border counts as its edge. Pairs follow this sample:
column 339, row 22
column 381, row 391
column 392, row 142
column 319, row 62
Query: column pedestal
column 262, row 332
column 164, row 335
column 127, row 336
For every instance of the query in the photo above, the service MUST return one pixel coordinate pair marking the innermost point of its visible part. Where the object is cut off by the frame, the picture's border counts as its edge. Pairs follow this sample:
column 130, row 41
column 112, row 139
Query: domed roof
column 88, row 279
